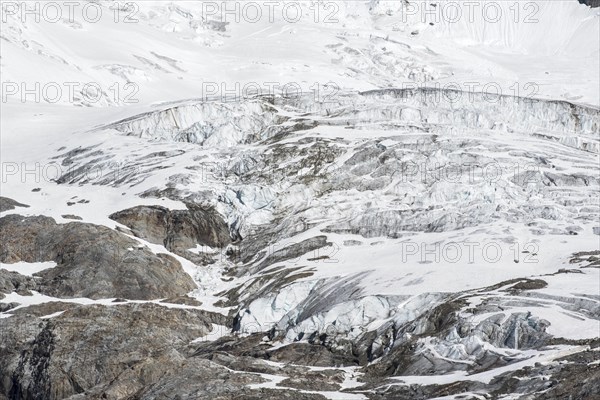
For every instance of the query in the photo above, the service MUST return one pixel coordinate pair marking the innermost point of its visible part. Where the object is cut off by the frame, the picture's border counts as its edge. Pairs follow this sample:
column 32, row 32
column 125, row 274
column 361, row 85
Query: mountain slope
column 414, row 216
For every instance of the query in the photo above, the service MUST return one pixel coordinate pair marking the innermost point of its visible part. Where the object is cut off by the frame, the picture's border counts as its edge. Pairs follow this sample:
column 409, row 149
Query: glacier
column 418, row 220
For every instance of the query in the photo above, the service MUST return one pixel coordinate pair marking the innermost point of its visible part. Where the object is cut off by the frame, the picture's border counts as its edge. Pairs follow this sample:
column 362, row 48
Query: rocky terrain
column 385, row 243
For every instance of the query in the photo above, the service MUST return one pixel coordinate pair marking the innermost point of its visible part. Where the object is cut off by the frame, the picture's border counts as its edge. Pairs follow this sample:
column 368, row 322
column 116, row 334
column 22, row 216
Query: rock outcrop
column 92, row 261
column 177, row 230
column 7, row 204
column 117, row 350
column 11, row 281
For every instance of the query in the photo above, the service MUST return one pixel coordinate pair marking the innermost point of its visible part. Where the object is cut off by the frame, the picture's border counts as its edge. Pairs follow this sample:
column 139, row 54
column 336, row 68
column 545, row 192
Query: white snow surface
column 28, row 269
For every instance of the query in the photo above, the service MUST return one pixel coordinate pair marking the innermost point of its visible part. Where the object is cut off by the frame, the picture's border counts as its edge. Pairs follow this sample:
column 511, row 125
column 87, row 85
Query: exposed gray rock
column 11, row 281
column 6, row 306
column 216, row 383
column 591, row 3
column 9, row 204
column 71, row 216
column 177, row 230
column 572, row 377
column 92, row 261
column 312, row 354
column 301, row 353
column 124, row 347
column 328, row 380
column 44, row 309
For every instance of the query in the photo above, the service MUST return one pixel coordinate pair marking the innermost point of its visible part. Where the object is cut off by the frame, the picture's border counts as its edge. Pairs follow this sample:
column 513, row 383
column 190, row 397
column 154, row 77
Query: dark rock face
column 562, row 384
column 7, row 204
column 132, row 351
column 11, row 281
column 93, row 261
column 145, row 222
column 572, row 377
column 177, row 230
column 116, row 350
column 311, row 354
column 203, row 379
column 45, row 309
column 591, row 3
column 71, row 216
column 294, row 353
